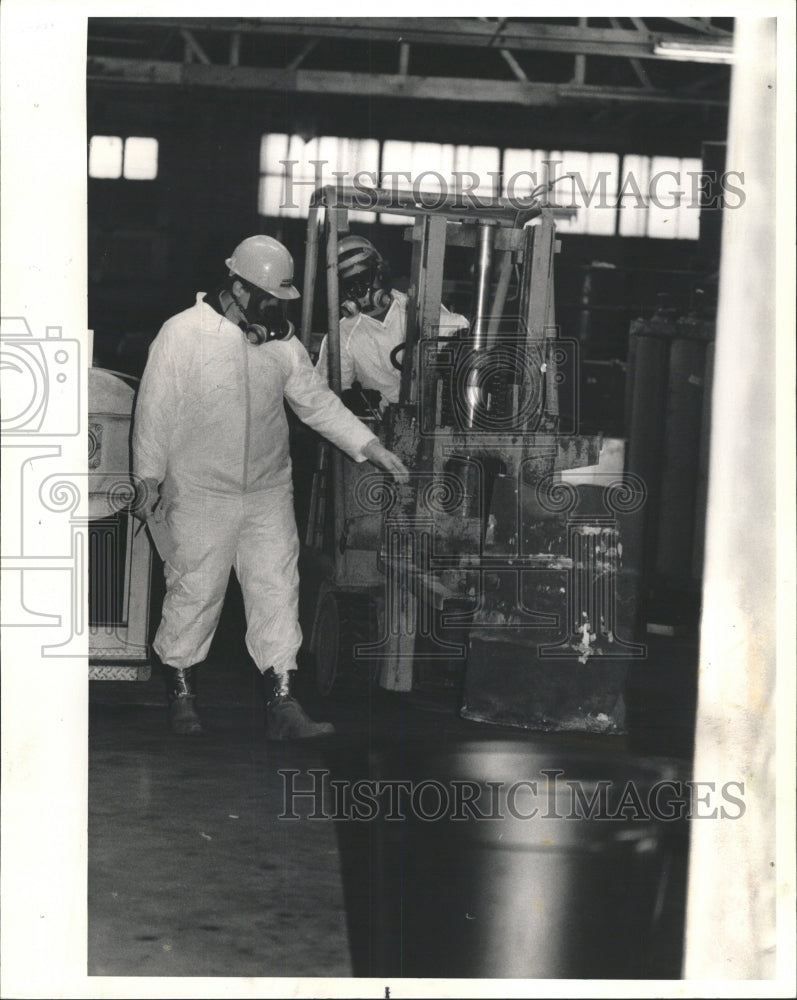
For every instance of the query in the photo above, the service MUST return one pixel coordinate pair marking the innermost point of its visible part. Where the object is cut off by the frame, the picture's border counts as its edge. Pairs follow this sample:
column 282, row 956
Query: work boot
column 285, row 717
column 181, row 692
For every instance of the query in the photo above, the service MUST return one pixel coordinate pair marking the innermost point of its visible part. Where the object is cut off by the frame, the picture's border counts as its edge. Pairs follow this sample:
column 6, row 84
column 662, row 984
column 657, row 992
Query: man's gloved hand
column 147, row 498
column 379, row 455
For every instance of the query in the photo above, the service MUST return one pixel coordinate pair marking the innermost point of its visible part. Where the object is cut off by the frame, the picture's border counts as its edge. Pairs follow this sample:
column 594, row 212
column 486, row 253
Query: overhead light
column 699, row 50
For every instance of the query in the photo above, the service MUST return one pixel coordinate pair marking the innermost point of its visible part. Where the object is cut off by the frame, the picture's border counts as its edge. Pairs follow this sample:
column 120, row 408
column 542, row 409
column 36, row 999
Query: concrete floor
column 193, row 873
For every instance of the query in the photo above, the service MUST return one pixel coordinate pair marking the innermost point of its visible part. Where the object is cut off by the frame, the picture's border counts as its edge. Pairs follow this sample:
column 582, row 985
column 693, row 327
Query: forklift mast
column 481, row 536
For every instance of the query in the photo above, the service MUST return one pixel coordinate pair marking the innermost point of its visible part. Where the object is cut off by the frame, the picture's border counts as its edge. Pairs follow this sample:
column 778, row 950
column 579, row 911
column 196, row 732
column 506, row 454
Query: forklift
column 489, row 556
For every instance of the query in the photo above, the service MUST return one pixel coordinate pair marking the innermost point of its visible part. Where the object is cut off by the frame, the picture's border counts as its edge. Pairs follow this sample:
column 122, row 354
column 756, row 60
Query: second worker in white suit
column 373, row 325
column 211, row 457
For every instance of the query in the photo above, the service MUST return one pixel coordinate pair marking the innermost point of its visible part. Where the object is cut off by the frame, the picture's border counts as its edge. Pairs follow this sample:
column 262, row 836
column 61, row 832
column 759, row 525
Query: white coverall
column 210, row 425
column 366, row 343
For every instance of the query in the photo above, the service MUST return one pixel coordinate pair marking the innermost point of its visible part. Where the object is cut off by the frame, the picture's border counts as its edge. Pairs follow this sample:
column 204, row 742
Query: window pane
column 294, row 168
column 347, row 157
column 423, row 168
column 431, row 168
column 568, row 170
column 273, row 149
column 658, row 198
column 633, row 196
column 601, row 214
column 363, row 160
column 689, row 216
column 343, row 159
column 306, row 155
column 524, row 170
column 269, row 199
column 481, row 161
column 396, row 157
column 105, row 156
column 301, row 177
column 665, row 197
column 141, row 159
column 589, row 184
column 427, row 169
column 361, row 155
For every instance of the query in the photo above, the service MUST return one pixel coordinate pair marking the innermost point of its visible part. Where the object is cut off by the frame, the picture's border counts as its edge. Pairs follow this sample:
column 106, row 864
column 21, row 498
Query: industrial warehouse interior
column 532, row 612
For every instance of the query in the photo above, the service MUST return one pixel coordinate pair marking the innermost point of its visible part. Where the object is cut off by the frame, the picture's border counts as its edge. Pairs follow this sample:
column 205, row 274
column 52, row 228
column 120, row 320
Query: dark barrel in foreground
column 505, row 859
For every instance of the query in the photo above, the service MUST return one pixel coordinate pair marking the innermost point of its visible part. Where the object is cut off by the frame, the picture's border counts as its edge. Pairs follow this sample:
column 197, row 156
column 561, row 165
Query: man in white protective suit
column 373, row 325
column 213, row 471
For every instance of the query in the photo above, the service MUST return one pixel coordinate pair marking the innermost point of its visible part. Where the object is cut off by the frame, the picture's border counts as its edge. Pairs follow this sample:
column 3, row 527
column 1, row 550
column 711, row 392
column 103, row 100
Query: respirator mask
column 367, row 292
column 266, row 317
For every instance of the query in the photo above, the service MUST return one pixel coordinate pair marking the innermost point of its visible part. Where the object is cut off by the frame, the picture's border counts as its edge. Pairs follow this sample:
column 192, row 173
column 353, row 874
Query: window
column 292, row 168
column 134, row 158
column 408, row 166
column 589, row 184
column 659, row 197
column 524, row 170
column 594, row 193
column 141, row 159
column 584, row 183
column 105, row 156
column 432, row 171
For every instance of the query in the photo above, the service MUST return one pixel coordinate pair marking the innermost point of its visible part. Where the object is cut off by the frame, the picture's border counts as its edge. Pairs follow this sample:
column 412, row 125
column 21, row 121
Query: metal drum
column 489, row 888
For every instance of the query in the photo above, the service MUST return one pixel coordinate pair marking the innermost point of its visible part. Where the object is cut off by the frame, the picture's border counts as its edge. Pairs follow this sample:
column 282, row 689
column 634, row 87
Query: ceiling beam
column 193, row 46
column 107, row 70
column 235, row 48
column 636, row 64
column 580, row 63
column 404, row 59
column 473, row 32
column 300, row 57
column 517, row 70
column 497, row 26
column 514, row 65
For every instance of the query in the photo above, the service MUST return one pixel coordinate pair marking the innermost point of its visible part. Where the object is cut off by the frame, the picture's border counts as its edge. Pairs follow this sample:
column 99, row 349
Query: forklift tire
column 326, row 644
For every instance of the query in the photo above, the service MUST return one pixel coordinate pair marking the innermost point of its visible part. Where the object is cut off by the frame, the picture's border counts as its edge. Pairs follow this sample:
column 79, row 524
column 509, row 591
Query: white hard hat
column 264, row 262
column 356, row 254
